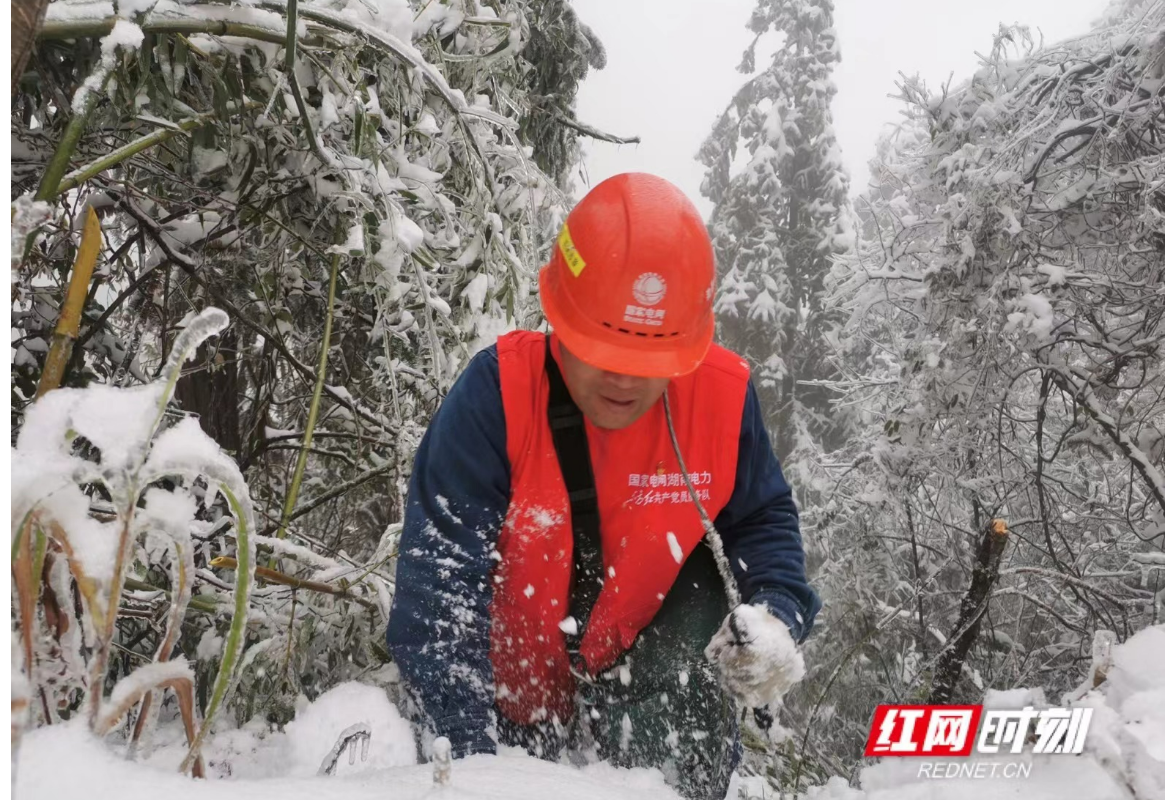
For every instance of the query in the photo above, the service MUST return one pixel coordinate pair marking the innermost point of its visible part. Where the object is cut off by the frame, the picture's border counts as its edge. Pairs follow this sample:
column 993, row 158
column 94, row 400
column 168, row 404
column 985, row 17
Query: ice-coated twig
column 361, row 734
column 442, row 761
column 1101, row 657
column 712, row 535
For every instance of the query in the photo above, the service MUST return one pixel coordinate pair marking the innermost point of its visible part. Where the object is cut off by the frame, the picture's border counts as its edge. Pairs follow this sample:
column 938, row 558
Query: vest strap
column 575, row 463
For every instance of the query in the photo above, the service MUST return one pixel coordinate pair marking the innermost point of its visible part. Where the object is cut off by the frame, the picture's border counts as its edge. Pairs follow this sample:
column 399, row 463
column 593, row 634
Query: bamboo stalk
column 235, row 641
column 116, row 157
column 338, row 491
column 83, row 29
column 315, row 398
column 291, row 35
column 292, row 77
column 50, row 185
column 196, row 603
column 274, row 576
column 68, row 322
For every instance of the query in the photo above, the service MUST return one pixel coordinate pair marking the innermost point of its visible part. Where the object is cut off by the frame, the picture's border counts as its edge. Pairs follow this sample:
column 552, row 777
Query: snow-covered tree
column 1002, row 355
column 559, row 52
column 366, row 189
column 774, row 174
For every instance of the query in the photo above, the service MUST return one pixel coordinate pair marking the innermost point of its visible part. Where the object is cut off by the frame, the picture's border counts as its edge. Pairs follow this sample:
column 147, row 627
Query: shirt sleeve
column 458, row 494
column 760, row 530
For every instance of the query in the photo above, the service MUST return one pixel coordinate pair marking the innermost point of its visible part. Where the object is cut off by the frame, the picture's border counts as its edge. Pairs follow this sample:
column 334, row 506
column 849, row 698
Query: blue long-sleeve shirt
column 439, row 629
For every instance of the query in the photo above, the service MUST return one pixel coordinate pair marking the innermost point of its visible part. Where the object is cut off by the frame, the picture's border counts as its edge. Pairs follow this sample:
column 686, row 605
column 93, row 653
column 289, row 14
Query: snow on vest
column 649, row 525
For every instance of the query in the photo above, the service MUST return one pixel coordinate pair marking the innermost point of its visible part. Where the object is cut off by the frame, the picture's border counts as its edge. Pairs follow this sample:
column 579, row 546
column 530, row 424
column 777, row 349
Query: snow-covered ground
column 1123, row 758
column 65, row 761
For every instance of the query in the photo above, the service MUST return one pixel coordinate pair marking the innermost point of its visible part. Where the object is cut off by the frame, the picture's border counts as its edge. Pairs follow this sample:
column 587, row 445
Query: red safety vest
column 648, row 524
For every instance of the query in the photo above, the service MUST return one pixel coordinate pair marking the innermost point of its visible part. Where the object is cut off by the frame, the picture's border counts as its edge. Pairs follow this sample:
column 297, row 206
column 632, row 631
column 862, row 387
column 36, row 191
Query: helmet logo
column 649, row 289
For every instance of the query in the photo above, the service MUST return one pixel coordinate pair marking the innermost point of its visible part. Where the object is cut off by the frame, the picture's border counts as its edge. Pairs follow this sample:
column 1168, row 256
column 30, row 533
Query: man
column 554, row 589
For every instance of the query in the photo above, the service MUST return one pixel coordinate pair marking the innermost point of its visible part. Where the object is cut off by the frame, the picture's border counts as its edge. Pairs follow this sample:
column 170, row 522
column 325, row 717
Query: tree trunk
column 963, row 636
column 211, row 392
column 27, row 18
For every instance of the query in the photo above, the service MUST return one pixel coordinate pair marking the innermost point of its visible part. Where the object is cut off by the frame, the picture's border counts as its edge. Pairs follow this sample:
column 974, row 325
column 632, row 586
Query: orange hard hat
column 631, row 279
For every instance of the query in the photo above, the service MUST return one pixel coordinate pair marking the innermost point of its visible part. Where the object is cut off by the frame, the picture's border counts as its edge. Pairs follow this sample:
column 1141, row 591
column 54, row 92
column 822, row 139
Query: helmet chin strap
column 712, row 535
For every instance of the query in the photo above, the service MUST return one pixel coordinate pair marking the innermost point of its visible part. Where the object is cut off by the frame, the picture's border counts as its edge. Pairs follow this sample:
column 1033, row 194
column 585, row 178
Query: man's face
column 609, row 400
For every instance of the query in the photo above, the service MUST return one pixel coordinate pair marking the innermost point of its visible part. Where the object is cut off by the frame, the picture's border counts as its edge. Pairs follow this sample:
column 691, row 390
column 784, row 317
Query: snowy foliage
column 774, row 174
column 394, row 139
column 1002, row 356
column 253, row 156
column 99, row 494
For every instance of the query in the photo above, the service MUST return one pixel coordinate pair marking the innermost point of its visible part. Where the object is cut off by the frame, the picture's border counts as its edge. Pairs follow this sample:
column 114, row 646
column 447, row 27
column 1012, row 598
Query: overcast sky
column 671, row 70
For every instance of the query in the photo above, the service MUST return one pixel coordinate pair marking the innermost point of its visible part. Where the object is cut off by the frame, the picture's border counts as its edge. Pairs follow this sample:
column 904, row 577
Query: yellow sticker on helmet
column 572, row 256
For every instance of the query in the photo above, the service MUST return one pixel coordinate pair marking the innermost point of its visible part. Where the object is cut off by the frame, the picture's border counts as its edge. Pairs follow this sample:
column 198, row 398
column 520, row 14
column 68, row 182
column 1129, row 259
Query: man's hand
column 757, row 660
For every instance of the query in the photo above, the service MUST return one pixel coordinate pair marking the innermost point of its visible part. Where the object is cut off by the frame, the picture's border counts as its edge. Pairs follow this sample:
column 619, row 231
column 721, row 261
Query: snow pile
column 255, row 752
column 315, row 730
column 254, row 764
column 1123, row 758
